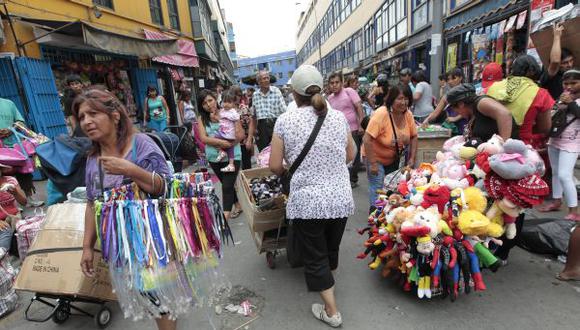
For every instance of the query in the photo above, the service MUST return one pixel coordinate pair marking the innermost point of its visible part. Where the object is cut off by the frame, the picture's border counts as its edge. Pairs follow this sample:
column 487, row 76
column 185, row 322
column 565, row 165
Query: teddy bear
column 493, row 146
column 455, row 177
column 506, row 212
column 514, row 163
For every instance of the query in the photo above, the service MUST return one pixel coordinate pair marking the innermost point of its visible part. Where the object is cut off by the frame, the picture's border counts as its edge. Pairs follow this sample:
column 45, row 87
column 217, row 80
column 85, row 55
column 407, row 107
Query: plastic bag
column 546, row 236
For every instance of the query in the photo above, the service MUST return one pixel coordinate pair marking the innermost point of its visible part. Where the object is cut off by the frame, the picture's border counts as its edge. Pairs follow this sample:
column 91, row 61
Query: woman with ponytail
column 320, row 198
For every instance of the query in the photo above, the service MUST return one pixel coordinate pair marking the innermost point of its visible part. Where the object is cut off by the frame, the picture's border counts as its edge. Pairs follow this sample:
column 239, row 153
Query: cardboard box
column 543, row 40
column 259, row 221
column 429, row 146
column 52, row 265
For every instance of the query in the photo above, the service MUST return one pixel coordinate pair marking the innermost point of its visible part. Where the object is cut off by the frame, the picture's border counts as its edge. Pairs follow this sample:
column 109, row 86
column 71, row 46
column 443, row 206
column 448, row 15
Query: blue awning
column 477, row 12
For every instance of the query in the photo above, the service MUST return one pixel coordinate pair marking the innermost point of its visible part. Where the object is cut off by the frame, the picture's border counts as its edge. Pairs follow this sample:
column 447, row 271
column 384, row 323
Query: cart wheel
column 103, row 317
column 62, row 313
column 271, row 259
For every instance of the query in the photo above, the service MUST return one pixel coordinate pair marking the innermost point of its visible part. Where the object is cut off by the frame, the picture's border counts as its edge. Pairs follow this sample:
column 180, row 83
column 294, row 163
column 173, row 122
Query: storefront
column 494, row 31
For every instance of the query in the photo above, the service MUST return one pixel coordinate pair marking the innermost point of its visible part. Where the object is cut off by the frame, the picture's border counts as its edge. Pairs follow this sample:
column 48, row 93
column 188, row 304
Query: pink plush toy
column 492, row 146
column 454, row 177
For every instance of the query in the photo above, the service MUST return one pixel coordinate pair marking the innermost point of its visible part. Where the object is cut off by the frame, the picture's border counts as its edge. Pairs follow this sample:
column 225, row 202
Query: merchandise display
column 265, row 190
column 163, row 253
column 437, row 224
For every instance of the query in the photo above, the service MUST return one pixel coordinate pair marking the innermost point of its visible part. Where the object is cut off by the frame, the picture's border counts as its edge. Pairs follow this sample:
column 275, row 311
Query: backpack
column 560, row 118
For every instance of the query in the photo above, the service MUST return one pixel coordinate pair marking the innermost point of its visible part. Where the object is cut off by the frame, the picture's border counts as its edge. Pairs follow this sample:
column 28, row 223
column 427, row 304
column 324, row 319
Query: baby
column 227, row 130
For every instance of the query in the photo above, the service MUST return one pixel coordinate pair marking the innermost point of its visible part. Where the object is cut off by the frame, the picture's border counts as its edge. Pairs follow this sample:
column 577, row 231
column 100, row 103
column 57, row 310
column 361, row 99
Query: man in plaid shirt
column 269, row 104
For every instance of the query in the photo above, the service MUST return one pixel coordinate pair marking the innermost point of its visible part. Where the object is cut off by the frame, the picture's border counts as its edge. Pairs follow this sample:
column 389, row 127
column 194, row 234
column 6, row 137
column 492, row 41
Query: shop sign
column 451, row 56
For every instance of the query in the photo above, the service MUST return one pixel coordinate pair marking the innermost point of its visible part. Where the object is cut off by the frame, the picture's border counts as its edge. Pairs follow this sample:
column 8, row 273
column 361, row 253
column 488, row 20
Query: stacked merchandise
column 266, row 190
column 163, row 253
column 436, row 224
column 8, row 297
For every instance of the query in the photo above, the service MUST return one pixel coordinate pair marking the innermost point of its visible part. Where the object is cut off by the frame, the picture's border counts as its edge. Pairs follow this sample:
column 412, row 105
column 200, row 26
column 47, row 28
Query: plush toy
column 493, row 146
column 431, row 218
column 455, row 177
column 436, row 195
column 474, row 223
column 416, row 198
column 424, row 247
column 508, row 212
column 535, row 158
column 514, row 163
column 469, row 149
column 475, row 199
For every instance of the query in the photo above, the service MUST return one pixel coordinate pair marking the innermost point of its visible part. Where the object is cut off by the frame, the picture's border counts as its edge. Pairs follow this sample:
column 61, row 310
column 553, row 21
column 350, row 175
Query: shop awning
column 112, row 42
column 185, row 56
column 485, row 9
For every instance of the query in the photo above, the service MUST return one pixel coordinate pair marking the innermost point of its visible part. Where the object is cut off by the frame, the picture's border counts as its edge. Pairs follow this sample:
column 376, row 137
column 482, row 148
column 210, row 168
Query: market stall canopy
column 56, row 32
column 251, row 79
column 186, row 55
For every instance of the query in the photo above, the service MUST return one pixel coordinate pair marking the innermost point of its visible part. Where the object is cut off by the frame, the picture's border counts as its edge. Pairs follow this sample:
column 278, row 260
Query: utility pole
column 436, row 45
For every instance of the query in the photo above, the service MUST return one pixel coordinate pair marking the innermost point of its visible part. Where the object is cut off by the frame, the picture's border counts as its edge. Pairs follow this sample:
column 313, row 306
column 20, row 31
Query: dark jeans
column 228, row 180
column 265, row 132
column 319, row 241
column 356, row 165
column 246, row 158
column 503, row 251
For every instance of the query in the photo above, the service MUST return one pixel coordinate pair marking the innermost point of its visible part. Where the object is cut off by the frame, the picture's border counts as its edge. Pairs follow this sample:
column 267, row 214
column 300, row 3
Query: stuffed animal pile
column 437, row 226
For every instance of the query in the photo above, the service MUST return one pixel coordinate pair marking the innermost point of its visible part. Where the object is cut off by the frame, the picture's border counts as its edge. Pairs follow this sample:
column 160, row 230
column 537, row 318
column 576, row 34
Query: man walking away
column 347, row 101
column 268, row 104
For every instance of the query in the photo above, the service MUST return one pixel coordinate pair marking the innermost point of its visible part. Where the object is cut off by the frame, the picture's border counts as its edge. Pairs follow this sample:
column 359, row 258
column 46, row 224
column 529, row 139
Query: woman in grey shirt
column 422, row 97
column 320, row 198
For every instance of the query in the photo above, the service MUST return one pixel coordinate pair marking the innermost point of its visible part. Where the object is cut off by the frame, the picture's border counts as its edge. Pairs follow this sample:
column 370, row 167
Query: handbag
column 560, row 118
column 8, row 208
column 287, row 176
column 11, row 157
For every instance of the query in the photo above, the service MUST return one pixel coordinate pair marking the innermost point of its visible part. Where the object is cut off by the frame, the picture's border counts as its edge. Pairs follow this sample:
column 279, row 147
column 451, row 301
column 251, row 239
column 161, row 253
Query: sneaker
column 34, row 202
column 221, row 156
column 228, row 169
column 320, row 313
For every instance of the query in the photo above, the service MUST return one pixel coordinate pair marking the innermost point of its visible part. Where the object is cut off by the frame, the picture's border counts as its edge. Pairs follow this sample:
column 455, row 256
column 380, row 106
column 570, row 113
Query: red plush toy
column 436, row 195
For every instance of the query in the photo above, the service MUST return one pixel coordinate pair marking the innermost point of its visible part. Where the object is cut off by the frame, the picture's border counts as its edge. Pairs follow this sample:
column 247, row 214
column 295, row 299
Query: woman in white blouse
column 320, row 197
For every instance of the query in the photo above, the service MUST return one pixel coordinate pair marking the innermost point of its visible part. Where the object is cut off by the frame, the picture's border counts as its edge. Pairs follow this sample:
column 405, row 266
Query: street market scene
column 289, row 164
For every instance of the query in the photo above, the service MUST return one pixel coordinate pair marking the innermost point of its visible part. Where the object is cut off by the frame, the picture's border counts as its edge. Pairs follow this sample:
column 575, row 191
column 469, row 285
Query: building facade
column 124, row 45
column 232, row 49
column 387, row 35
column 280, row 65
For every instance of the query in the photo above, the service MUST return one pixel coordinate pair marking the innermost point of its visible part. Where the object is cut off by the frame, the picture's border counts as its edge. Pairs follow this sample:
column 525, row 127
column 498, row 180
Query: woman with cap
column 564, row 146
column 485, row 115
column 381, row 87
column 320, row 198
column 390, row 140
column 453, row 78
column 490, row 74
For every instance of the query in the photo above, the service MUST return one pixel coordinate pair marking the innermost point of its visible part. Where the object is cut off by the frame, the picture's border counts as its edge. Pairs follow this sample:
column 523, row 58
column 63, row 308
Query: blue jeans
column 376, row 182
column 6, row 237
column 158, row 125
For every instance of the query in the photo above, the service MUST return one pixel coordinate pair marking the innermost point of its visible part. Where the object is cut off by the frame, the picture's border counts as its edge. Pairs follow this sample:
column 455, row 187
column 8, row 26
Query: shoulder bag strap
column 307, row 146
column 394, row 130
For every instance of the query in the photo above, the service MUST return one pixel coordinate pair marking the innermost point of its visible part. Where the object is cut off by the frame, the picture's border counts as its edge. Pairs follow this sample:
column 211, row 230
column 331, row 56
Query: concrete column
column 436, row 40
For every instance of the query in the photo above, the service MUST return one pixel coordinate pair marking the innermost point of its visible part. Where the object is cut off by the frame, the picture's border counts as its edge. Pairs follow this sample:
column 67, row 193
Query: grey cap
column 305, row 77
column 405, row 71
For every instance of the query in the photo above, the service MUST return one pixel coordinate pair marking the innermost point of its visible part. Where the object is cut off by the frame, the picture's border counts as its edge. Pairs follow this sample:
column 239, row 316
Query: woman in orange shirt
column 390, row 139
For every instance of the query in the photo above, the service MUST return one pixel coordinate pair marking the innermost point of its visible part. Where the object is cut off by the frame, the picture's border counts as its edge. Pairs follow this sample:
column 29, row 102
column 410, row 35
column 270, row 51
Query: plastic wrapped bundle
column 163, row 254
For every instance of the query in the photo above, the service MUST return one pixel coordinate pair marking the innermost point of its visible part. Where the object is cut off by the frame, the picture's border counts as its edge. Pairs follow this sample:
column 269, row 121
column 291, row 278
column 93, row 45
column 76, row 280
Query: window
column 280, row 75
column 173, row 14
column 104, row 3
column 421, row 13
column 278, row 63
column 290, row 61
column 156, row 14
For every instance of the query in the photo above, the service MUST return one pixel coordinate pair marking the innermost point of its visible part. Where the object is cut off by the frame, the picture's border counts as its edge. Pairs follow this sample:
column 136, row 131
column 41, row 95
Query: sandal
column 229, row 169
column 550, row 207
column 573, row 217
column 559, row 277
column 235, row 214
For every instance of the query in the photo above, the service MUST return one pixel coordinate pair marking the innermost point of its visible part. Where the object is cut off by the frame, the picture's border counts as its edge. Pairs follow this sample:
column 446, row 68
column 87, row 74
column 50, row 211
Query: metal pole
column 12, row 28
column 436, row 45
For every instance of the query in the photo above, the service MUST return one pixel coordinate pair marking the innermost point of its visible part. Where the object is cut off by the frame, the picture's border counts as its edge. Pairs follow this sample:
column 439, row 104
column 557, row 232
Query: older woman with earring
column 119, row 156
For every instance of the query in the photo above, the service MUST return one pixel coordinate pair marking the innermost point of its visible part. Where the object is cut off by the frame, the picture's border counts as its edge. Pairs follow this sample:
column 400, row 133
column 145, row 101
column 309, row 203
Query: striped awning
column 478, row 13
column 186, row 55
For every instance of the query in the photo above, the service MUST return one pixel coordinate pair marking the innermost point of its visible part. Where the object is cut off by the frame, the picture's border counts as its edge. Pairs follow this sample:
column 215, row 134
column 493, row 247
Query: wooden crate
column 259, row 221
column 429, row 144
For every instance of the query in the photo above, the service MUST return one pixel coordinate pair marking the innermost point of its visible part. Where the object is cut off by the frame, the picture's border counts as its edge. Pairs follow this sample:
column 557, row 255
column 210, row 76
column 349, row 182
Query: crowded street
column 289, row 164
column 523, row 295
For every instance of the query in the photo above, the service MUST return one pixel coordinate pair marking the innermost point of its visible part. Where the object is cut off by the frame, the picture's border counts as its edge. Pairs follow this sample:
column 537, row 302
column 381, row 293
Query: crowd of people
column 334, row 128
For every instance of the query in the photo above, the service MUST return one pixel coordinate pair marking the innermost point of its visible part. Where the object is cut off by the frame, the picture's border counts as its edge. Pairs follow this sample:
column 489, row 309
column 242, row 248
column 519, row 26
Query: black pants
column 503, row 251
column 319, row 240
column 356, row 165
column 265, row 132
column 228, row 180
column 246, row 158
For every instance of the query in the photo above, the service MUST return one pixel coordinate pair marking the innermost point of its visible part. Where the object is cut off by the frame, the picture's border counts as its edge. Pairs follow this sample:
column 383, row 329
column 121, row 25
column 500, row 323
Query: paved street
column 523, row 295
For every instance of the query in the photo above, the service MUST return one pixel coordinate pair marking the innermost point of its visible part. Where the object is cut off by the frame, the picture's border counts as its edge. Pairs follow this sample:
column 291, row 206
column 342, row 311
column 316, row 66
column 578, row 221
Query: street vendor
column 390, row 141
column 486, row 116
column 120, row 155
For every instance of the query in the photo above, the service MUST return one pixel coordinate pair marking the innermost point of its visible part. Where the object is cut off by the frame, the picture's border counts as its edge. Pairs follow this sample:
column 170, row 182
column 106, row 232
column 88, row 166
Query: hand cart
column 63, row 307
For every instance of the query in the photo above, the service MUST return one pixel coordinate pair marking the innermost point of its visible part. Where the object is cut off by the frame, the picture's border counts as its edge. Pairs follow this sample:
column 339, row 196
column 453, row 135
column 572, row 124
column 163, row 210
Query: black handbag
column 560, row 118
column 287, row 176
